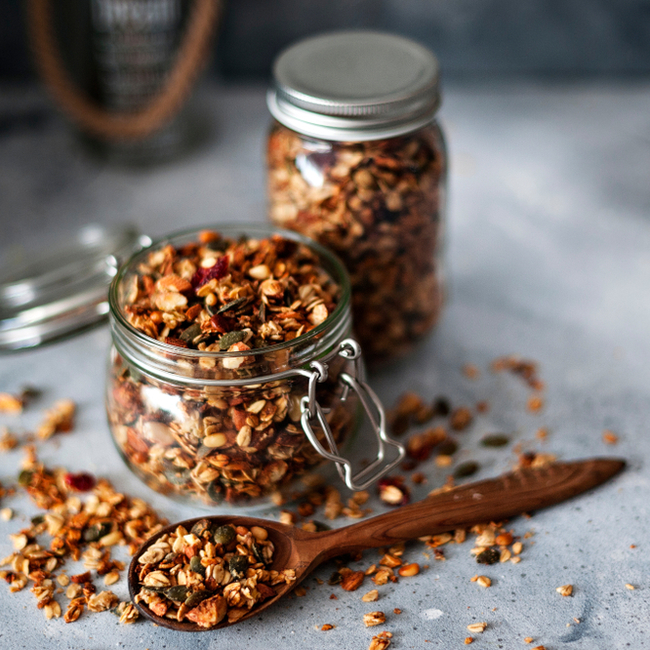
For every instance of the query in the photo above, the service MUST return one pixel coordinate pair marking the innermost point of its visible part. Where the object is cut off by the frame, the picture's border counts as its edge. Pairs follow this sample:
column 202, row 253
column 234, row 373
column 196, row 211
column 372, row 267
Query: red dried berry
column 81, row 482
column 216, row 272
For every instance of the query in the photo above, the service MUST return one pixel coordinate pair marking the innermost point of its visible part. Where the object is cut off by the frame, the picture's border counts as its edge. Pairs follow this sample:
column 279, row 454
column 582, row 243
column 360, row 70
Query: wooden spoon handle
column 496, row 499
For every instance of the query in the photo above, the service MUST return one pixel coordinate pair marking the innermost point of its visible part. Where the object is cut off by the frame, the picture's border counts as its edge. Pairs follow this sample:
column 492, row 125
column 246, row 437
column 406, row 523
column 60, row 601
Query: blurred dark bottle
column 123, row 70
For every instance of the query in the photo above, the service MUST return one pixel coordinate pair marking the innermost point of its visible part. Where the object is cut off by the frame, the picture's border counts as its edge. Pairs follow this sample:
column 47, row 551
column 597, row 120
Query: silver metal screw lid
column 355, row 86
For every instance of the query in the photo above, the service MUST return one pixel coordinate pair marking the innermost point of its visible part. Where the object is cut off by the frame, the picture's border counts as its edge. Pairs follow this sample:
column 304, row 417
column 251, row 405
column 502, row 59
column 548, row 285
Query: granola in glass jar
column 211, row 334
column 357, row 161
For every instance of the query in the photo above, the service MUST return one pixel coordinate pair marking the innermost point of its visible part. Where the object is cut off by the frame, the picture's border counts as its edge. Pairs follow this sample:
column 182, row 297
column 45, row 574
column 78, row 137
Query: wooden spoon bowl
column 492, row 500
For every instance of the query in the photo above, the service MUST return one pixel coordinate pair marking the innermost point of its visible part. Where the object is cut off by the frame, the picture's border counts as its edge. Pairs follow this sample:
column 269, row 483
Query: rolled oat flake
column 355, row 85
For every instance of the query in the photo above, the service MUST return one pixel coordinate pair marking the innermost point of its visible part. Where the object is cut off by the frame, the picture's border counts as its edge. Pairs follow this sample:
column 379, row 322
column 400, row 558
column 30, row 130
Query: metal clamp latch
column 373, row 408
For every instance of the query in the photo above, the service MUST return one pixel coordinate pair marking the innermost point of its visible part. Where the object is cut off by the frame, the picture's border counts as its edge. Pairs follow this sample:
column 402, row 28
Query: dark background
column 472, row 38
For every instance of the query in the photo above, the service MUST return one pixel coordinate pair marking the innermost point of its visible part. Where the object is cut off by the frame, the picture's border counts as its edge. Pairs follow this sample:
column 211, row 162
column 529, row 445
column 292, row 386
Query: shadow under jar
column 235, row 419
column 357, row 161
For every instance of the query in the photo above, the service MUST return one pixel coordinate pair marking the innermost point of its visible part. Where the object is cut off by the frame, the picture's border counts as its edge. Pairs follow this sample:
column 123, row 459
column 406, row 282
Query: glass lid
column 55, row 292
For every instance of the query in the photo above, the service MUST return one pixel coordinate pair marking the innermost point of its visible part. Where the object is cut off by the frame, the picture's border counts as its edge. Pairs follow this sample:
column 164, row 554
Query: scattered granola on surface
column 77, row 529
column 58, row 419
column 209, row 574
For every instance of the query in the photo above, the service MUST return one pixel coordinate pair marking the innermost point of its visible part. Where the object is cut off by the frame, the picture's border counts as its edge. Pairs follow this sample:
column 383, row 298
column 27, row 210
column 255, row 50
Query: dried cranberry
column 81, row 482
column 216, row 272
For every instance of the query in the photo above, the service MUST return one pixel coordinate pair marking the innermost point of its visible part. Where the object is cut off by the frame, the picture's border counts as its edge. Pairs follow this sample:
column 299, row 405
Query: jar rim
column 249, row 229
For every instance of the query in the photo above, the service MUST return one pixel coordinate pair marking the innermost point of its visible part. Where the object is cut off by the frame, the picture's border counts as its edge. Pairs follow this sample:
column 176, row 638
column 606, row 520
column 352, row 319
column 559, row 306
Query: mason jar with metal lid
column 357, row 161
column 238, row 425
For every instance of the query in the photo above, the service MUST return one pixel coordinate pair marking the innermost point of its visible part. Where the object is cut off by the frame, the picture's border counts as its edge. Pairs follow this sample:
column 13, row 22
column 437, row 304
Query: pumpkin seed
column 97, row 531
column 196, row 566
column 197, row 597
column 258, row 553
column 466, row 469
column 231, row 338
column 495, row 440
column 488, row 556
column 215, row 491
column 190, row 333
column 178, row 593
column 177, row 475
column 233, row 304
column 224, row 535
column 25, row 477
column 238, row 565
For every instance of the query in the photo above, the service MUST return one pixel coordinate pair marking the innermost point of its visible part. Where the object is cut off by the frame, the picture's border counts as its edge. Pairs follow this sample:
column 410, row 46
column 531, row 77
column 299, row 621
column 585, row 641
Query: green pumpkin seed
column 196, row 566
column 96, row 531
column 37, row 520
column 197, row 597
column 488, row 556
column 466, row 469
column 258, row 552
column 224, row 535
column 495, row 440
column 238, row 566
column 233, row 304
column 190, row 333
column 215, row 490
column 25, row 477
column 230, row 339
column 178, row 593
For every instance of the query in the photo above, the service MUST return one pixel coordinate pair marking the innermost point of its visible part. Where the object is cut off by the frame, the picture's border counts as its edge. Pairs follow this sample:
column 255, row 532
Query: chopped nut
column 111, row 577
column 528, row 639
column 461, row 418
column 469, row 640
column 565, row 590
column 630, row 586
column 471, row 371
column 374, row 618
column 10, row 403
column 371, row 596
column 327, row 627
column 535, row 403
column 477, row 628
column 409, row 570
column 60, row 418
column 6, row 514
column 484, row 581
column 444, row 461
column 379, row 642
column 352, row 581
column 517, row 548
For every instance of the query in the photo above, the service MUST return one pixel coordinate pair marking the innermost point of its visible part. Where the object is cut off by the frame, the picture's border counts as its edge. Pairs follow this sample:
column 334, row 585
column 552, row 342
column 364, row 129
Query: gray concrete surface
column 548, row 258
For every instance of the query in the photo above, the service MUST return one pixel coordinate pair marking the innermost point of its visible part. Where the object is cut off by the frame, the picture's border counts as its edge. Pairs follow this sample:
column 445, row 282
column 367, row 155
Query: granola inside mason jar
column 210, row 333
column 379, row 206
column 357, row 161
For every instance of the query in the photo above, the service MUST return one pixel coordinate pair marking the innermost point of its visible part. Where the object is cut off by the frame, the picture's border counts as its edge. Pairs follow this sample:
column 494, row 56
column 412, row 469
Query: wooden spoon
column 496, row 499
